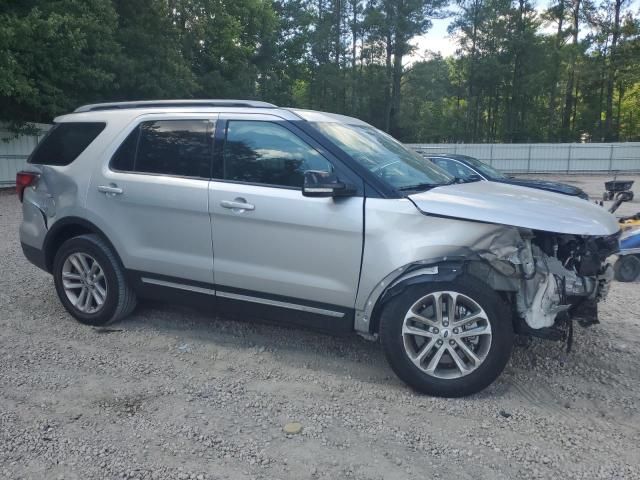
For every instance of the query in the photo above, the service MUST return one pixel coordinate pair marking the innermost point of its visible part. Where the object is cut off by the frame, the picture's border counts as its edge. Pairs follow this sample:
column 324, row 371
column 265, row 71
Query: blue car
column 470, row 169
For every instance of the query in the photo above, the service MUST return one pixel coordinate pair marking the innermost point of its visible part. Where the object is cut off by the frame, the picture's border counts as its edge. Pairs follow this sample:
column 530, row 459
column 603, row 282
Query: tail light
column 24, row 180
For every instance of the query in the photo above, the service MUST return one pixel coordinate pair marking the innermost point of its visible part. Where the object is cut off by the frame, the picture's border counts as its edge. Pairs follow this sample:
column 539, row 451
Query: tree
column 576, row 7
column 628, row 80
column 557, row 14
column 395, row 23
column 512, row 78
column 427, row 107
column 55, row 55
column 614, row 29
column 152, row 63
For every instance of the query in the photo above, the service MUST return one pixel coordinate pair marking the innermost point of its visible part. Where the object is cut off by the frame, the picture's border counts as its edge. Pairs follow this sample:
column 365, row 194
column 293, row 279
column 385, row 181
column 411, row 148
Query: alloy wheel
column 446, row 334
column 84, row 282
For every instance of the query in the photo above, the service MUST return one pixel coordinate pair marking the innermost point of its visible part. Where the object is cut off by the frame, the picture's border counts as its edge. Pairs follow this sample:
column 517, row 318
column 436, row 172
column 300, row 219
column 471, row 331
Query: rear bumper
column 34, row 255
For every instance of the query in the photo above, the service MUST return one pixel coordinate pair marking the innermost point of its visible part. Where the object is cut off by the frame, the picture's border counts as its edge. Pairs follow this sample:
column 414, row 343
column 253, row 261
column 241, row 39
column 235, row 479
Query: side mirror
column 474, row 177
column 325, row 184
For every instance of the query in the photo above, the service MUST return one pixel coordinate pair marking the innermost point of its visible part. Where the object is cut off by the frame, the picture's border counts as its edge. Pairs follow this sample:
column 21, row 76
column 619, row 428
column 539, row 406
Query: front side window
column 267, row 153
column 384, row 156
column 455, row 168
column 486, row 170
column 169, row 147
column 65, row 142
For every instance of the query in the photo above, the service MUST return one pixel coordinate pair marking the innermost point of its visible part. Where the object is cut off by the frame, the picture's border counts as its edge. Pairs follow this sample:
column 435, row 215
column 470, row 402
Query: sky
column 438, row 40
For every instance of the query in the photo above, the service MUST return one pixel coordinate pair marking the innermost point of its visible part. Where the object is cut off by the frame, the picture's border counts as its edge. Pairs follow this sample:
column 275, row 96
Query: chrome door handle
column 237, row 204
column 111, row 189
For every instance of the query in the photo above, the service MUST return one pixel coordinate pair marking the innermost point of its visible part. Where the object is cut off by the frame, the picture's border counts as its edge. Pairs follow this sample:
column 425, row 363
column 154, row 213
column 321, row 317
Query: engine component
column 569, row 275
column 546, row 304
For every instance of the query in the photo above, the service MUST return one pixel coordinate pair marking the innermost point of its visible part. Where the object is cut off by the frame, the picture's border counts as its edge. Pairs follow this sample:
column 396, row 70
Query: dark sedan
column 469, row 169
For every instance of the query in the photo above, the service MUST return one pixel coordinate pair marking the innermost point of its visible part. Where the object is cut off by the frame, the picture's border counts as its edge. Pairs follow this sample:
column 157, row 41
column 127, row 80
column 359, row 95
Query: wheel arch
column 445, row 270
column 66, row 228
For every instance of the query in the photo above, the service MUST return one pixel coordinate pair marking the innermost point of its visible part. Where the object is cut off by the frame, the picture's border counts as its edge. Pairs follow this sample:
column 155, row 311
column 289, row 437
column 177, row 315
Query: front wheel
column 447, row 339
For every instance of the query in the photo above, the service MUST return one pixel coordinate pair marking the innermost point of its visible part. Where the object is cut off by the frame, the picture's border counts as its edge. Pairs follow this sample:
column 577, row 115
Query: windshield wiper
column 468, row 179
column 421, row 186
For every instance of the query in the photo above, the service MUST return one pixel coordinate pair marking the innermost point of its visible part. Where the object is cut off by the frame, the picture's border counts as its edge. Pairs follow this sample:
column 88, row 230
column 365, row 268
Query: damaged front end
column 555, row 278
column 549, row 256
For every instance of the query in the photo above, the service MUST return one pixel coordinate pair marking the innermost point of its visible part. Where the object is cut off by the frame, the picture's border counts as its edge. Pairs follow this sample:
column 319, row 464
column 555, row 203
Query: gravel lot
column 177, row 393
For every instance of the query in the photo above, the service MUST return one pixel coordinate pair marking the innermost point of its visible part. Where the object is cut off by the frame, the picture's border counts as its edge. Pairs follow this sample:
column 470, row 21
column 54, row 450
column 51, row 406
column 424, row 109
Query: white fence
column 512, row 158
column 547, row 157
column 14, row 152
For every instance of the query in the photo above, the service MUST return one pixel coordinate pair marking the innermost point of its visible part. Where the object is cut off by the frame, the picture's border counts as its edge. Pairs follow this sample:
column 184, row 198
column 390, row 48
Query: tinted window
column 65, row 142
column 125, row 156
column 264, row 152
column 455, row 168
column 487, row 170
column 168, row 147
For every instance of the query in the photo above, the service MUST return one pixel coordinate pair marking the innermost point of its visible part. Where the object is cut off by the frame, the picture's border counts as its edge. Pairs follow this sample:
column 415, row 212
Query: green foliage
column 151, row 64
column 59, row 53
column 570, row 72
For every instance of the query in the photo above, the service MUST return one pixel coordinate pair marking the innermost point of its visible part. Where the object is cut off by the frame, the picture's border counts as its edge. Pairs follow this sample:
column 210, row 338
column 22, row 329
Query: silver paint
column 278, row 303
column 290, row 245
column 517, row 206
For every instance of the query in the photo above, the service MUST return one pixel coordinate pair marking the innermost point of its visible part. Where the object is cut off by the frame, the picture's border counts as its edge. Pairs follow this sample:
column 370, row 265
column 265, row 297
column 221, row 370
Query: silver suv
column 308, row 218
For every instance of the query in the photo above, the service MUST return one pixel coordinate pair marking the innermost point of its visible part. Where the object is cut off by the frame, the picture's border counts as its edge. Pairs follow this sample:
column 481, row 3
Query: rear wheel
column 90, row 281
column 447, row 339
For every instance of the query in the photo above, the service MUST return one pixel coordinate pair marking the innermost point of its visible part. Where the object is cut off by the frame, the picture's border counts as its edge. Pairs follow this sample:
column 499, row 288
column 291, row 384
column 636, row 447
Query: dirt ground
column 176, row 393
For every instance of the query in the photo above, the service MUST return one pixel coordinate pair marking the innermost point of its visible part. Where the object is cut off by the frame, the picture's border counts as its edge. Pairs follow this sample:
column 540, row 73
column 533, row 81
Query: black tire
column 120, row 299
column 499, row 318
column 627, row 268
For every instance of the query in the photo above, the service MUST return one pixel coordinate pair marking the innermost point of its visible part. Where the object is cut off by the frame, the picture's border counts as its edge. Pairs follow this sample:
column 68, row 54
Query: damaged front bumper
column 547, row 278
column 553, row 290
column 555, row 278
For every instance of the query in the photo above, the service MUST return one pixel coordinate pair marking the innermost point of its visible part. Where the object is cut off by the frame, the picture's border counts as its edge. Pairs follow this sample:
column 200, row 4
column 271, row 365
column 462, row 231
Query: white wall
column 14, row 152
column 547, row 157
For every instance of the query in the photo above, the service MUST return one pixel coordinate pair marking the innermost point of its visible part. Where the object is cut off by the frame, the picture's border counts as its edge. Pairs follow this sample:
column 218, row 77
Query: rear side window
column 65, row 142
column 169, row 147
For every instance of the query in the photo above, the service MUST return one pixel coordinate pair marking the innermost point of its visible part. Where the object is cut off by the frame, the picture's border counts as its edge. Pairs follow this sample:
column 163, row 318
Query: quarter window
column 125, row 156
column 168, row 147
column 65, row 142
column 267, row 153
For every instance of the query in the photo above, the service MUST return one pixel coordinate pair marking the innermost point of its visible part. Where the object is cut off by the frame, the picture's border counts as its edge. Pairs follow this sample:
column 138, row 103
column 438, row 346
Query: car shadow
column 314, row 349
column 348, row 355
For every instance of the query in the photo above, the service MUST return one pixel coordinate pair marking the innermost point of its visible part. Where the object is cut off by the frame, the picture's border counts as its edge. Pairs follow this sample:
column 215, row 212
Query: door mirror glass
column 324, row 184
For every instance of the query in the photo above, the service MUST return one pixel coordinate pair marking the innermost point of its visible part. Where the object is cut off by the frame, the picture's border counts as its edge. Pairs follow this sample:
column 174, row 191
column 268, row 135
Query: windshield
column 384, row 156
column 486, row 170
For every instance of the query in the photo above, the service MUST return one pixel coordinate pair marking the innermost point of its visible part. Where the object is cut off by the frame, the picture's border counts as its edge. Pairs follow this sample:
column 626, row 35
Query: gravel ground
column 176, row 393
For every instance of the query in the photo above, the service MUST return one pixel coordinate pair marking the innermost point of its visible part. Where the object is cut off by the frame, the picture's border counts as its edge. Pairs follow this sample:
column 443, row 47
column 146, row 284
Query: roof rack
column 173, row 103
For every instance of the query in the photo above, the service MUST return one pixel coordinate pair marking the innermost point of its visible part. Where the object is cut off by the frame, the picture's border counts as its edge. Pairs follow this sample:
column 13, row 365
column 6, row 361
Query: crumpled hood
column 504, row 204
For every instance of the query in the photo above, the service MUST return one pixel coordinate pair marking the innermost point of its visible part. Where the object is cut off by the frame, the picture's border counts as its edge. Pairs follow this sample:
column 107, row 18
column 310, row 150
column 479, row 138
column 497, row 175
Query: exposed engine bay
column 573, row 276
column 557, row 277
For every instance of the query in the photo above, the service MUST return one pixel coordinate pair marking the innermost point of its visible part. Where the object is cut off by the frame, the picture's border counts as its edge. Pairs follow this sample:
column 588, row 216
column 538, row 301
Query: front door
column 271, row 244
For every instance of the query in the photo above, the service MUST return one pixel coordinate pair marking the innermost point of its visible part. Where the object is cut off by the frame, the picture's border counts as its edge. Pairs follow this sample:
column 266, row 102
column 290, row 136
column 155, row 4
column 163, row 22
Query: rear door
column 151, row 196
column 271, row 244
